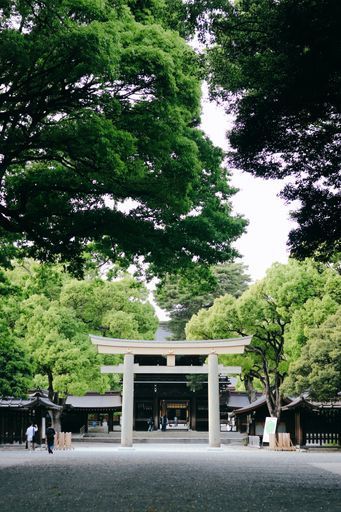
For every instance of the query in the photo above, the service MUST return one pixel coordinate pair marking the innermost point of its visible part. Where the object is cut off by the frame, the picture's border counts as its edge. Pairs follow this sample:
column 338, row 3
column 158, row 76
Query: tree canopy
column 266, row 310
column 183, row 295
column 318, row 369
column 15, row 365
column 49, row 318
column 275, row 65
column 99, row 113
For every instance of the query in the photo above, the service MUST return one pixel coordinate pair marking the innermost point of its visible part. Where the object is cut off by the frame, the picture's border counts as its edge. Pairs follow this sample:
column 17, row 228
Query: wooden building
column 17, row 414
column 156, row 395
column 91, row 412
column 309, row 423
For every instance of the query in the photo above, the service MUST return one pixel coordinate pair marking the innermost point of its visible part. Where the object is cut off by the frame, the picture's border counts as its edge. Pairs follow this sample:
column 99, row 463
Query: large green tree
column 50, row 318
column 184, row 295
column 266, row 311
column 119, row 309
column 15, row 364
column 276, row 65
column 99, row 104
column 318, row 369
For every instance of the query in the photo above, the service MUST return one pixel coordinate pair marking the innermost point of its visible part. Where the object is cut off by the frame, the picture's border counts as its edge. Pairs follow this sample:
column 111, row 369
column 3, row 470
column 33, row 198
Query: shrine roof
column 260, row 402
column 29, row 403
column 302, row 401
column 92, row 401
column 239, row 400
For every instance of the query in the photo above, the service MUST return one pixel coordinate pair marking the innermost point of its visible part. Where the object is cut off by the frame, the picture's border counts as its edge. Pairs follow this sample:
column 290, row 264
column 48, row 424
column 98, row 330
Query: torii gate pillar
column 213, row 402
column 127, row 401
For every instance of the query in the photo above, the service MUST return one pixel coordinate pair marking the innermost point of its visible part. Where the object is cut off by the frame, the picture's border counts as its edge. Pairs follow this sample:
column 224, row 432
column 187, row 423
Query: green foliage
column 318, row 369
column 274, row 311
column 195, row 382
column 119, row 309
column 275, row 65
column 32, row 278
column 183, row 295
column 15, row 365
column 49, row 316
column 312, row 314
column 100, row 104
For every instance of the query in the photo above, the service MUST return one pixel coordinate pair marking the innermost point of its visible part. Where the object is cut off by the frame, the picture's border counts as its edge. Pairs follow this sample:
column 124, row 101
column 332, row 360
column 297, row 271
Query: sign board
column 269, row 428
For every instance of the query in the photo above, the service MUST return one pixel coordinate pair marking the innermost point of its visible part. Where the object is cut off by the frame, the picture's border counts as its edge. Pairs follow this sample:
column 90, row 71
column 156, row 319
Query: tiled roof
column 29, row 403
column 302, row 401
column 14, row 402
column 251, row 407
column 238, row 400
column 94, row 401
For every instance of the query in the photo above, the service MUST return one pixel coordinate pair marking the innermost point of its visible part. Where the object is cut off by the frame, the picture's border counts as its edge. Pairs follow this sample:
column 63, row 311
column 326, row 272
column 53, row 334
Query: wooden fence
column 62, row 441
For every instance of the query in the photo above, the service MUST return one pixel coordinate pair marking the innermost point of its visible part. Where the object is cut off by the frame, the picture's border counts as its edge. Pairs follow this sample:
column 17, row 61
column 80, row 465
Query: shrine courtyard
column 169, row 478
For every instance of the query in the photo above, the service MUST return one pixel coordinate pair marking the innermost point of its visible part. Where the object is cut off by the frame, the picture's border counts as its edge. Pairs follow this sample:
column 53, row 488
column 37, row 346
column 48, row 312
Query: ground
column 169, row 478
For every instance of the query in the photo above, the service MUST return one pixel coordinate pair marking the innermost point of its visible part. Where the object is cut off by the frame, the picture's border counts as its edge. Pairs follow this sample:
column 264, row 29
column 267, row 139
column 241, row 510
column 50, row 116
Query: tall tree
column 50, row 319
column 265, row 311
column 183, row 295
column 276, row 65
column 99, row 104
column 119, row 309
column 318, row 369
column 15, row 364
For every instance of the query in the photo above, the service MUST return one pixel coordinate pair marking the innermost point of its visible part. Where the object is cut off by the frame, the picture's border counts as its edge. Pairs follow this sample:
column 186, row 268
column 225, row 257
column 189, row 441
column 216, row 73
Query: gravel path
column 169, row 478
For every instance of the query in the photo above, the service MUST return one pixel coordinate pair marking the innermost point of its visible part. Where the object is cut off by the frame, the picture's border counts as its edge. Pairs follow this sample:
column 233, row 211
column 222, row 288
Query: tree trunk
column 278, row 397
column 273, row 403
column 250, row 390
column 56, row 423
column 50, row 385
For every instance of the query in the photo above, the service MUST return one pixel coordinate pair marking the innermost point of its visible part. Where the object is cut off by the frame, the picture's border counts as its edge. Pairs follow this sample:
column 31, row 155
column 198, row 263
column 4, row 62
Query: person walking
column 50, row 433
column 164, row 423
column 30, row 434
column 150, row 423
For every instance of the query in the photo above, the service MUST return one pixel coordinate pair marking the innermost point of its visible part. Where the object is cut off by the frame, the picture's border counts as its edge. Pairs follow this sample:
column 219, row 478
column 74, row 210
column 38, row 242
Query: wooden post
column 156, row 411
column 298, row 428
column 194, row 412
column 110, row 421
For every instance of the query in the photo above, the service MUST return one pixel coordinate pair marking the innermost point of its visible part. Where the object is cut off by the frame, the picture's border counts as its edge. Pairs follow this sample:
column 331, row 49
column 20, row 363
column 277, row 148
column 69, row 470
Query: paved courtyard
column 169, row 478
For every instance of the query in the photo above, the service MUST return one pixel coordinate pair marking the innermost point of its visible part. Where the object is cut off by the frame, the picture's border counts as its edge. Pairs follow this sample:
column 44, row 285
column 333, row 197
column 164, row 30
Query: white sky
column 268, row 215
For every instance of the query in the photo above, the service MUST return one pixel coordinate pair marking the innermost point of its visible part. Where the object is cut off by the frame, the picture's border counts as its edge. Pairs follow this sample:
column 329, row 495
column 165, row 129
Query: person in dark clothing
column 150, row 423
column 50, row 433
column 164, row 423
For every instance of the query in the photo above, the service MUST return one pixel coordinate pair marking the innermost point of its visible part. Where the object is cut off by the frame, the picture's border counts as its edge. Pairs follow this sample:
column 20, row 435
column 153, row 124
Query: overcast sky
column 257, row 199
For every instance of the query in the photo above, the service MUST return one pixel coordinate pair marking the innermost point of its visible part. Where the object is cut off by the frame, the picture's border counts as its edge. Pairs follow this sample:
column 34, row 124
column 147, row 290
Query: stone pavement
column 169, row 478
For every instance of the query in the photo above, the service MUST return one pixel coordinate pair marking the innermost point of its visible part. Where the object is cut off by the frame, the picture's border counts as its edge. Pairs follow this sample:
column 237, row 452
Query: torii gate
column 170, row 349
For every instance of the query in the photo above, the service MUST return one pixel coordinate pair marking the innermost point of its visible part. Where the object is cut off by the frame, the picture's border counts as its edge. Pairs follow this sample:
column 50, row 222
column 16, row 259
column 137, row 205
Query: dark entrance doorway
column 178, row 413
